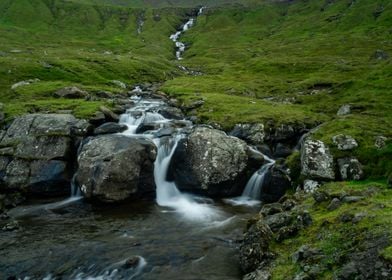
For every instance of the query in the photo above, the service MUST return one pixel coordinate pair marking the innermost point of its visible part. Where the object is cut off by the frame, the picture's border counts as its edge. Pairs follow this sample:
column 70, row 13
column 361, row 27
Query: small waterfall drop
column 252, row 193
column 180, row 46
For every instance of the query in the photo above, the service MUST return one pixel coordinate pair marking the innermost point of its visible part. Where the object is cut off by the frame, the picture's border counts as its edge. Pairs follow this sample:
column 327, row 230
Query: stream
column 179, row 236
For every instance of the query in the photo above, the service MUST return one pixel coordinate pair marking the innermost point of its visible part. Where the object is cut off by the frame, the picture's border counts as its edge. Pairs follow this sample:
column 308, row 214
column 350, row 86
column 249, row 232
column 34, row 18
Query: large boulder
column 350, row 169
column 115, row 167
column 211, row 163
column 38, row 152
column 110, row 128
column 316, row 160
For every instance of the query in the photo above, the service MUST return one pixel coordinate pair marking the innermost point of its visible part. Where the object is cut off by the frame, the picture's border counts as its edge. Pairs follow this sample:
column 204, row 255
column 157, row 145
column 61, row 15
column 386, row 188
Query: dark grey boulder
column 211, row 163
column 110, row 128
column 275, row 184
column 114, row 168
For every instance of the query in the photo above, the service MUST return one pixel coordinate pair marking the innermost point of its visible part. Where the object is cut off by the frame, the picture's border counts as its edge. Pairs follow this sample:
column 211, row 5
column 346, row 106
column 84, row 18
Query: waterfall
column 167, row 193
column 254, row 185
column 180, row 46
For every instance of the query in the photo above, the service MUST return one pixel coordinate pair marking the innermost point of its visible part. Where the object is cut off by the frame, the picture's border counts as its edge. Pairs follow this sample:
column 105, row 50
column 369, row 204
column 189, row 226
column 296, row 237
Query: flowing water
column 181, row 236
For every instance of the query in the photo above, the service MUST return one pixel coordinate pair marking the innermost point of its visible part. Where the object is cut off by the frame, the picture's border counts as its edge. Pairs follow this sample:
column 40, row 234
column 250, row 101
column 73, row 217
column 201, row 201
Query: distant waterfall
column 180, row 46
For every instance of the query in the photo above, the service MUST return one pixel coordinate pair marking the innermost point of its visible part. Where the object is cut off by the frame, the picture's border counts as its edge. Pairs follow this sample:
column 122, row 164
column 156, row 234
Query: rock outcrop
column 350, row 169
column 38, row 151
column 210, row 162
column 115, row 168
column 316, row 160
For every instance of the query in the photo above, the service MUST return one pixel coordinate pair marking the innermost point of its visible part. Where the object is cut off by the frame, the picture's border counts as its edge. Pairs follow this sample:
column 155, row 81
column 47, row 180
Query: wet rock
column 275, row 184
column 255, row 158
column 251, row 133
column 282, row 151
column 210, row 162
column 254, row 251
column 71, row 93
column 131, row 262
column 270, row 209
column 380, row 142
column 98, row 119
column 316, row 160
column 115, row 167
column 344, row 142
column 110, row 128
column 311, row 186
column 11, row 226
column 40, row 151
column 350, row 169
column 344, row 110
column 109, row 115
column 24, row 83
column 171, row 113
column 335, row 204
column 167, row 131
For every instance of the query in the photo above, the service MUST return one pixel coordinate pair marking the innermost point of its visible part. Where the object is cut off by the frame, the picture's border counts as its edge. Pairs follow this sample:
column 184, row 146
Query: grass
column 335, row 238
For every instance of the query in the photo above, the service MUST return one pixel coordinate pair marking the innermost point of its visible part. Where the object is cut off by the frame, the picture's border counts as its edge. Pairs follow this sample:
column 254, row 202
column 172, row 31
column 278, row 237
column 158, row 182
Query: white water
column 180, row 46
column 188, row 206
column 251, row 195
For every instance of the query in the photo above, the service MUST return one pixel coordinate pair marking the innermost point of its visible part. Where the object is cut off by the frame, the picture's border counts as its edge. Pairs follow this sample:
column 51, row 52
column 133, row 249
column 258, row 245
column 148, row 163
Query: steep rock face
column 316, row 160
column 115, row 167
column 37, row 153
column 210, row 162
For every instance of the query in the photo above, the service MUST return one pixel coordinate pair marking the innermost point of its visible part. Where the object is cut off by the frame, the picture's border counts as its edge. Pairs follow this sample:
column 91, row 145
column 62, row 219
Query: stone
column 43, row 147
column 316, row 160
column 110, row 128
column 194, row 105
column 171, row 113
column 380, row 142
column 254, row 250
column 310, row 186
column 211, row 163
column 270, row 209
column 344, row 110
column 24, row 83
column 11, row 226
column 344, row 142
column 109, row 115
column 335, row 204
column 304, row 253
column 103, row 94
column 251, row 133
column 350, row 169
column 278, row 220
column 114, row 168
column 275, row 184
column 98, row 119
column 282, row 151
column 320, row 196
column 71, row 93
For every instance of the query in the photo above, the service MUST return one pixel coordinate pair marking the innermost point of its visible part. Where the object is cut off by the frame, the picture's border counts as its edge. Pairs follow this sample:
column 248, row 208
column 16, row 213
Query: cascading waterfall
column 180, row 46
column 167, row 192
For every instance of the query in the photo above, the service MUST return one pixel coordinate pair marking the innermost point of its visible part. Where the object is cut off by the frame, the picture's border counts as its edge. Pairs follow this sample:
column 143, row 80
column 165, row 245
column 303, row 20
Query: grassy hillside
column 63, row 43
column 297, row 62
